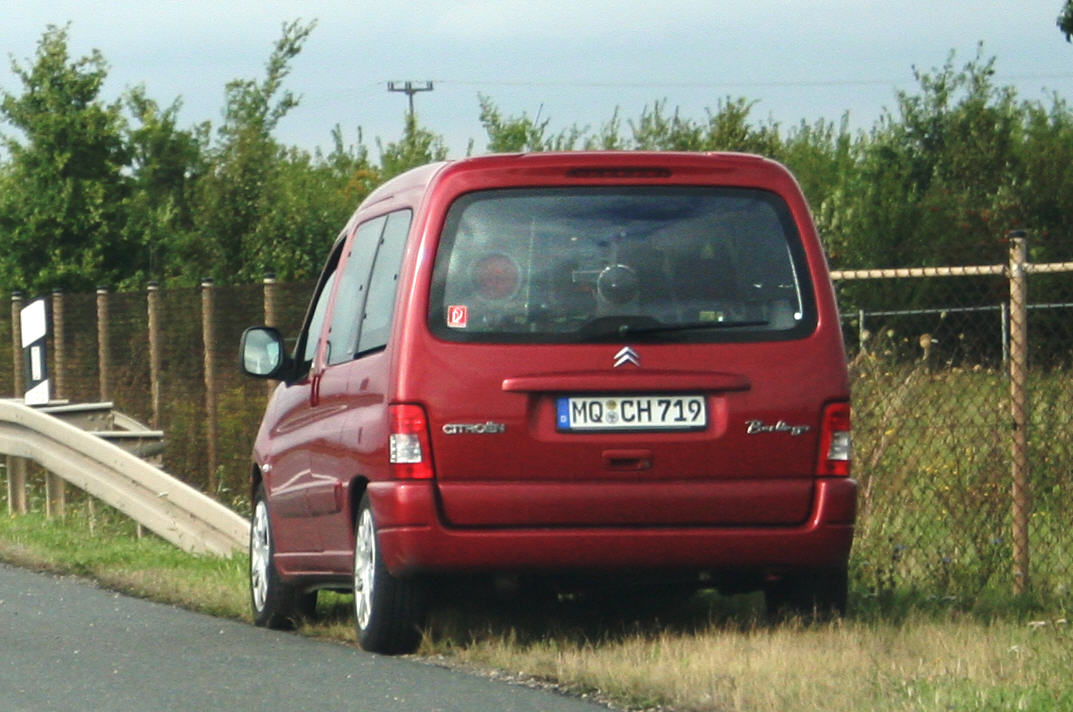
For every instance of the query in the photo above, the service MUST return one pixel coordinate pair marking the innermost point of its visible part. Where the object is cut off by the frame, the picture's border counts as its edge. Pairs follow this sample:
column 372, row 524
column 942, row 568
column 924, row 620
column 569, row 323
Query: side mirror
column 261, row 353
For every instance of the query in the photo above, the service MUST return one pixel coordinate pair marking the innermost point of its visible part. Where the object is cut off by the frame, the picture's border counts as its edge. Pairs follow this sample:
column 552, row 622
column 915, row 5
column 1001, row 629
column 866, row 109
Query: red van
column 574, row 363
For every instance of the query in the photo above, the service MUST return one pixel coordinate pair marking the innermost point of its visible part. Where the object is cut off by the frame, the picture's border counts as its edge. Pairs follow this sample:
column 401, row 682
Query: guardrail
column 166, row 506
column 104, row 421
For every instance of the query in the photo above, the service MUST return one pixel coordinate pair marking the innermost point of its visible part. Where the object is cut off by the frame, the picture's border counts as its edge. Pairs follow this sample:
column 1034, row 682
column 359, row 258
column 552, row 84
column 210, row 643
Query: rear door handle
column 631, row 460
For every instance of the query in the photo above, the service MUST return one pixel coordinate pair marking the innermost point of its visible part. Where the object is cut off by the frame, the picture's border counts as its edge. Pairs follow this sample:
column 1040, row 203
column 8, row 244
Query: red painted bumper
column 413, row 539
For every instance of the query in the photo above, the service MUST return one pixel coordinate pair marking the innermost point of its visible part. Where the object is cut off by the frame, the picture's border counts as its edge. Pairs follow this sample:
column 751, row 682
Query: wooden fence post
column 271, row 299
column 104, row 344
column 153, row 309
column 208, row 332
column 59, row 347
column 55, row 487
column 1019, row 407
column 271, row 288
column 16, row 466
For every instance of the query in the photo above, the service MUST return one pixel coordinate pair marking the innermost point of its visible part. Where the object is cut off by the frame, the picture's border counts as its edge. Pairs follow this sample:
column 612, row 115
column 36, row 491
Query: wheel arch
column 256, row 478
column 358, row 485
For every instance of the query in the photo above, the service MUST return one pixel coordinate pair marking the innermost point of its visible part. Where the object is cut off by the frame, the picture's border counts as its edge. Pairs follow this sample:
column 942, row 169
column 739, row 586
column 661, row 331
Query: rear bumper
column 414, row 540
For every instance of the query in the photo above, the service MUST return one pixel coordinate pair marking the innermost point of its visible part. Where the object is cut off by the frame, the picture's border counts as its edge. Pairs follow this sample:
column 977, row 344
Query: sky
column 574, row 62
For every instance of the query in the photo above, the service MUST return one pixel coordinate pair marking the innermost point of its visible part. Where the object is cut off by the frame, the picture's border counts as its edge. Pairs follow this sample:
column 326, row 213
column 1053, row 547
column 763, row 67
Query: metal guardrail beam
column 104, row 421
column 166, row 506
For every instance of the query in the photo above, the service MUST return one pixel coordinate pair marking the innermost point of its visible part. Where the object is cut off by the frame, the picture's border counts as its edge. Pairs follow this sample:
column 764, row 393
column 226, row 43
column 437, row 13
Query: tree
column 654, row 130
column 820, row 155
column 936, row 183
column 417, row 147
column 516, row 134
column 61, row 206
column 1065, row 20
column 726, row 129
column 312, row 197
column 165, row 165
column 241, row 188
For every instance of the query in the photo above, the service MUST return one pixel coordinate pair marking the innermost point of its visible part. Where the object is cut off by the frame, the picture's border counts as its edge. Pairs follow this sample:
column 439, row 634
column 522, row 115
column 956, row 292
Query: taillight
column 408, row 443
column 835, row 441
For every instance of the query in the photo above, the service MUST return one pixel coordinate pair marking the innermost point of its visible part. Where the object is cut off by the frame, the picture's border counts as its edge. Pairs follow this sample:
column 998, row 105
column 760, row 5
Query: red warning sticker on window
column 457, row 316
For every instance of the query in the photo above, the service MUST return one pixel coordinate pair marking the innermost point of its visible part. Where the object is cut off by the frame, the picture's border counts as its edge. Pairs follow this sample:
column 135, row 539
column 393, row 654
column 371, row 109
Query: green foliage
column 1065, row 20
column 510, row 135
column 726, row 129
column 312, row 198
column 657, row 129
column 63, row 191
column 119, row 194
column 241, row 191
column 417, row 147
column 166, row 163
column 944, row 177
column 1045, row 187
column 91, row 197
column 820, row 155
column 936, row 182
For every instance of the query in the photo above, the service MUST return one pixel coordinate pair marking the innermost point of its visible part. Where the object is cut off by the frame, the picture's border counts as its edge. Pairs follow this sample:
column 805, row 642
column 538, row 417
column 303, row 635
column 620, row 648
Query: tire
column 274, row 602
column 812, row 596
column 388, row 611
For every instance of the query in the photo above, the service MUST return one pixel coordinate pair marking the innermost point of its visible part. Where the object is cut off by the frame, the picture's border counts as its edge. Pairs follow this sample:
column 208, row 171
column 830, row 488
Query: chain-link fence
column 961, row 494
column 962, row 423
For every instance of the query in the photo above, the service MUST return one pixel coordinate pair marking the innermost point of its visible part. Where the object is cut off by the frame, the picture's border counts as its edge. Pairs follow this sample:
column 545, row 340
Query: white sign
column 33, row 320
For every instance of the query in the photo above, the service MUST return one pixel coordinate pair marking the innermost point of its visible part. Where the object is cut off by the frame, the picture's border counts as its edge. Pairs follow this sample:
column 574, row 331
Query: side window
column 307, row 341
column 383, row 284
column 353, row 282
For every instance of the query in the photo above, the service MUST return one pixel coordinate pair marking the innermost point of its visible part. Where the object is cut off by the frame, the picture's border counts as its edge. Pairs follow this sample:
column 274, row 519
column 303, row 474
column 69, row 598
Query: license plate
column 640, row 412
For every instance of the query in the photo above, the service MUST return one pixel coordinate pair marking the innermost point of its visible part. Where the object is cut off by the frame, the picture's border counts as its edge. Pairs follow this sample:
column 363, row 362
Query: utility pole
column 409, row 89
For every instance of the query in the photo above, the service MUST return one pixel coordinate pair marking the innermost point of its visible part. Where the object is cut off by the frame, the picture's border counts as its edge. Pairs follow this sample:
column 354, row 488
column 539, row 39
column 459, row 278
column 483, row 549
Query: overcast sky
column 573, row 61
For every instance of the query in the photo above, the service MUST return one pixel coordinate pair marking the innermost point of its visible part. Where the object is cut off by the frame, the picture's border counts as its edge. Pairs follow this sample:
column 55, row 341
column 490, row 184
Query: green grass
column 704, row 653
column 110, row 551
column 933, row 455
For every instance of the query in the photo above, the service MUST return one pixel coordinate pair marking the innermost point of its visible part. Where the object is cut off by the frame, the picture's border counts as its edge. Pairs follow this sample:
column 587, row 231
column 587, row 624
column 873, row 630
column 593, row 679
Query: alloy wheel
column 260, row 555
column 364, row 569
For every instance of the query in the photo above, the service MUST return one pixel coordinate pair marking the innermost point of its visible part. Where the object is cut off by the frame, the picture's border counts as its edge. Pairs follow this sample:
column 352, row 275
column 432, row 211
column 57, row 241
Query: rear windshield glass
column 681, row 264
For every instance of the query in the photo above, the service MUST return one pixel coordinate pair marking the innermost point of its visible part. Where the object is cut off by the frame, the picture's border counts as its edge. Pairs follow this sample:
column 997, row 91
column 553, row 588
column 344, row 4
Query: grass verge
column 707, row 653
column 106, row 547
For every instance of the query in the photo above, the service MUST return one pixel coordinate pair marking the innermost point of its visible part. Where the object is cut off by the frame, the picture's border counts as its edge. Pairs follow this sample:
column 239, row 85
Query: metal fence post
column 1019, row 406
column 862, row 330
column 1004, row 325
column 209, row 339
column 16, row 466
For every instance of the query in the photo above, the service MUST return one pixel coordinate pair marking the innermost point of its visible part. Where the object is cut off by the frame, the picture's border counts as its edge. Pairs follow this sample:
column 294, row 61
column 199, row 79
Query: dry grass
column 718, row 656
column 919, row 665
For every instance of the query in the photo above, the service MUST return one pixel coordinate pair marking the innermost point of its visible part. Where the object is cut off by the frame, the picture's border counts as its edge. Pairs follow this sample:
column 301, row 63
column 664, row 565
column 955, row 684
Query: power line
column 729, row 84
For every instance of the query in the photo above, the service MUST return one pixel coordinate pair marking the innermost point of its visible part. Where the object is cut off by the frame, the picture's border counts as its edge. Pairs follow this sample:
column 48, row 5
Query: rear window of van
column 590, row 264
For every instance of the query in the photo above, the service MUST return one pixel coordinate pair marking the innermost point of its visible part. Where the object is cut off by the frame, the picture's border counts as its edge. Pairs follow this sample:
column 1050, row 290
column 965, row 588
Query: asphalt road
column 67, row 645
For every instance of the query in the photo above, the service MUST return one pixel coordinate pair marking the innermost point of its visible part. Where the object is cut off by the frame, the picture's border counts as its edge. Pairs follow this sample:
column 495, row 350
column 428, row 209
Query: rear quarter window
column 678, row 264
column 383, row 283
